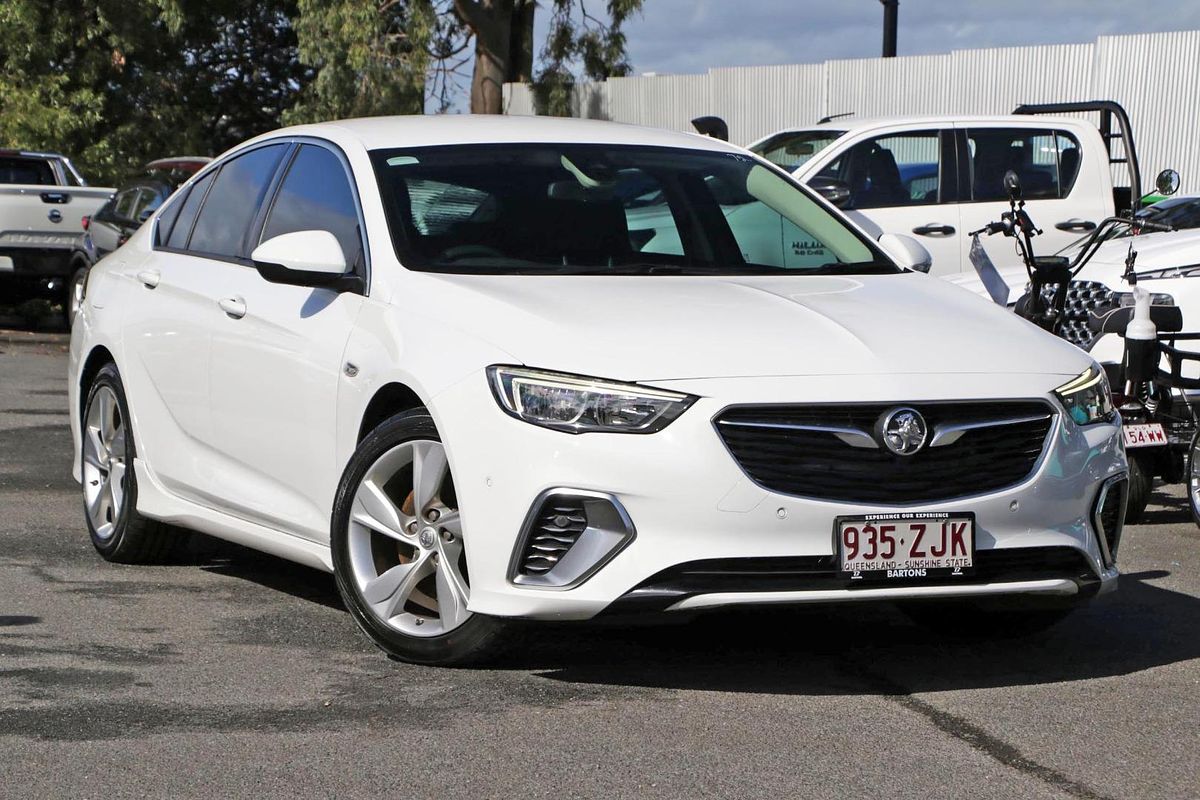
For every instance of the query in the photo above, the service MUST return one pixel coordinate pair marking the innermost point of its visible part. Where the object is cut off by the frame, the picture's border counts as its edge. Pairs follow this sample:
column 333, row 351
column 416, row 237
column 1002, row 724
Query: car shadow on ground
column 843, row 649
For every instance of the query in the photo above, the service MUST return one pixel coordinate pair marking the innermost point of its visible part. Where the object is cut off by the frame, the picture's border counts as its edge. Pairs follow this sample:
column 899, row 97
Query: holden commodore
column 496, row 369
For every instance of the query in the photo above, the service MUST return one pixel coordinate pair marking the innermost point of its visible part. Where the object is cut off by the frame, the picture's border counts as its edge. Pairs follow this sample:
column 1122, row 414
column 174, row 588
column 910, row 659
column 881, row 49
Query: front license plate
column 906, row 545
column 1148, row 435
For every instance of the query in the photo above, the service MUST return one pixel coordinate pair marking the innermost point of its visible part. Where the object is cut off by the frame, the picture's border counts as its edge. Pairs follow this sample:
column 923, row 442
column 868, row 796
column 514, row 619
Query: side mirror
column 712, row 126
column 305, row 258
column 145, row 215
column 906, row 251
column 1167, row 182
column 835, row 191
column 1012, row 185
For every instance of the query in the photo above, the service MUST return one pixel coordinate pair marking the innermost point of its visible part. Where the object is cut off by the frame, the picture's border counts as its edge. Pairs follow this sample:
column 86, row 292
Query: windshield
column 791, row 150
column 608, row 209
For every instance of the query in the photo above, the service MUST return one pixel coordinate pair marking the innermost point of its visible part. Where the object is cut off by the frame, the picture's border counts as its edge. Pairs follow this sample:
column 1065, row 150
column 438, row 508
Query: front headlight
column 575, row 404
column 1087, row 398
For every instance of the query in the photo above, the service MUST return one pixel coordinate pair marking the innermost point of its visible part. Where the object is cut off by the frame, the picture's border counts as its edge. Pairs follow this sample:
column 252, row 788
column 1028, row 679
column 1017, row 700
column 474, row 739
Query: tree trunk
column 491, row 22
column 520, row 60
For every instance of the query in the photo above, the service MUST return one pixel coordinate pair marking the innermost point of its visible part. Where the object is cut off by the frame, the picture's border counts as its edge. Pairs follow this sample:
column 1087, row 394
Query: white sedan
column 484, row 369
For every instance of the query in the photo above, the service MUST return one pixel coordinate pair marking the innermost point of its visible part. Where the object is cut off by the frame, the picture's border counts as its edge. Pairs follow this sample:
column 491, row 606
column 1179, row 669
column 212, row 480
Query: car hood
column 1154, row 251
column 646, row 328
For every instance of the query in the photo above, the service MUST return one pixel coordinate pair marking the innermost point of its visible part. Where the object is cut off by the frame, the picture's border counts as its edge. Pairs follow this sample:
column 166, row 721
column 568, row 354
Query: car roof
column 185, row 163
column 373, row 133
column 851, row 124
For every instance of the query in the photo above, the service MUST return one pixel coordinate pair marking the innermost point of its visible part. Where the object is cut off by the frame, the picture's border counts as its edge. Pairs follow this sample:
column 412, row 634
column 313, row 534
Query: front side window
column 795, row 148
column 1046, row 161
column 176, row 224
column 233, row 202
column 902, row 169
column 316, row 195
column 126, row 200
column 607, row 209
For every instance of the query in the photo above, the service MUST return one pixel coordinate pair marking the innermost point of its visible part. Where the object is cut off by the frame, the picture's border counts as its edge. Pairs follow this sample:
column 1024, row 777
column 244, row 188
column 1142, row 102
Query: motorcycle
column 1160, row 424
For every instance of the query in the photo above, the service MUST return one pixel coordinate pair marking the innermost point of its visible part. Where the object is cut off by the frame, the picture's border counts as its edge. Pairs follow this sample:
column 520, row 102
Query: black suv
column 116, row 220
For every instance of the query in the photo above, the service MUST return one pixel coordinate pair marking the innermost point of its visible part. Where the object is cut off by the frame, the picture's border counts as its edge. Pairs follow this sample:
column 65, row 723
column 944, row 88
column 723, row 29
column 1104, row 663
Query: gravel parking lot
column 232, row 673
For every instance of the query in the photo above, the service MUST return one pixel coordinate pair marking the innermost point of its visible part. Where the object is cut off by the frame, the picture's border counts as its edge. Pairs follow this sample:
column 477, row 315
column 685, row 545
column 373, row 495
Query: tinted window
column 233, row 202
column 888, row 171
column 125, row 203
column 597, row 209
column 27, row 171
column 790, row 150
column 1046, row 161
column 178, row 235
column 316, row 195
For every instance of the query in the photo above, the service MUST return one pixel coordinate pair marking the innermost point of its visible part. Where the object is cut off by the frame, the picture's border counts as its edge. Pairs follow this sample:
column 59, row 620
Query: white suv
column 495, row 368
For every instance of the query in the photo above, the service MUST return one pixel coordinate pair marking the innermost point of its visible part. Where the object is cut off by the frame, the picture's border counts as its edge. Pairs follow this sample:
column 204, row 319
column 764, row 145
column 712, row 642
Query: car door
column 1064, row 193
column 278, row 356
column 170, row 320
column 904, row 182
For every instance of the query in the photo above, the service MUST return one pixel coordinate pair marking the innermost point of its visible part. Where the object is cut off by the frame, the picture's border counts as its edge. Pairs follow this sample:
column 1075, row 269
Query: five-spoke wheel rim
column 405, row 542
column 104, row 462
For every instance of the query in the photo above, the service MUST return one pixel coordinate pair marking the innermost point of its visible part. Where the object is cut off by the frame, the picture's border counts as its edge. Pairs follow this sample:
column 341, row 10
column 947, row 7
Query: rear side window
column 315, row 195
column 177, row 236
column 233, row 202
column 1046, row 161
column 28, row 171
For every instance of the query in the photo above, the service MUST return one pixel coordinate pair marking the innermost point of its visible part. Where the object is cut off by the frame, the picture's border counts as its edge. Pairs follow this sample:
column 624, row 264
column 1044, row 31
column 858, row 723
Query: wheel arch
column 390, row 399
column 95, row 361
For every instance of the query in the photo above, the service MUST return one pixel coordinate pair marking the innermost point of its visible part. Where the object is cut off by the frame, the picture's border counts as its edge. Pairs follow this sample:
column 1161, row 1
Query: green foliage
column 117, row 83
column 580, row 42
column 371, row 57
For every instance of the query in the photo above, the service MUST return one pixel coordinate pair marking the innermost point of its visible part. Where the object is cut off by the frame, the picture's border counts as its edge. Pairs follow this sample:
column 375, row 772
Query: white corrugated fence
column 1155, row 76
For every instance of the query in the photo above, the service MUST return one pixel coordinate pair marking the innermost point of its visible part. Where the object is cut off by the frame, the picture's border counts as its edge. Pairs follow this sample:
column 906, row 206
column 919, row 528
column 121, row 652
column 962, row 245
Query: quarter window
column 233, row 202
column 177, row 236
column 888, row 171
column 316, row 195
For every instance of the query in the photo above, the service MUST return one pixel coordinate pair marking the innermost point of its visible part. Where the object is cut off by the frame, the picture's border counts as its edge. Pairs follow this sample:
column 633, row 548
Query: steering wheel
column 471, row 251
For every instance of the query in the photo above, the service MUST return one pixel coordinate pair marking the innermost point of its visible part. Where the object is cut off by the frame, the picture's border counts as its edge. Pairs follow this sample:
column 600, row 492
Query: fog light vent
column 559, row 524
column 1109, row 516
column 567, row 536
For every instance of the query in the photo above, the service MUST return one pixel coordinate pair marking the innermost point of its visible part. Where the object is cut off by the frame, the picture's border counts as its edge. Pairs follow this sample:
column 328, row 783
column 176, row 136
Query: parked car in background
column 43, row 202
column 939, row 176
column 446, row 359
column 115, row 221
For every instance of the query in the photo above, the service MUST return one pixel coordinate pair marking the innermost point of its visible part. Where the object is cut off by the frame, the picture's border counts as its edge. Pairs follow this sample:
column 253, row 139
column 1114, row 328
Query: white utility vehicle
column 447, row 359
column 43, row 200
column 938, row 177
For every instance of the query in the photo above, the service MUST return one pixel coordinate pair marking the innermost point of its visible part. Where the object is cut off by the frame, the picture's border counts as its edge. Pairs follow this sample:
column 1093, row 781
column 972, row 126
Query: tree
column 116, row 83
column 503, row 33
column 370, row 57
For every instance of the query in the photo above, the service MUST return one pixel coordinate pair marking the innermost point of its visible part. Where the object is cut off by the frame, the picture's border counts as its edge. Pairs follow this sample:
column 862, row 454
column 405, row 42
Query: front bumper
column 690, row 501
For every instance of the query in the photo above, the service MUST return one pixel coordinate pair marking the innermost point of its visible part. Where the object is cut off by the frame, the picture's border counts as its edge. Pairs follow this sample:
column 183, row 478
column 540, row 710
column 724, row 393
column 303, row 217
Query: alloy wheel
column 405, row 542
column 104, row 462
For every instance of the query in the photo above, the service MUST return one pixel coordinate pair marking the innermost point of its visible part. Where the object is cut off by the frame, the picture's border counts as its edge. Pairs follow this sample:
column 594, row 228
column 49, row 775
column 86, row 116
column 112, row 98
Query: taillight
column 86, row 222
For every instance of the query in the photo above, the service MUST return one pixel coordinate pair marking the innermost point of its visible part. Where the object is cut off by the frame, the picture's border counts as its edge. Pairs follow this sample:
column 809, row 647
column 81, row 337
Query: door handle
column 934, row 229
column 149, row 277
column 235, row 307
column 56, row 197
column 1080, row 225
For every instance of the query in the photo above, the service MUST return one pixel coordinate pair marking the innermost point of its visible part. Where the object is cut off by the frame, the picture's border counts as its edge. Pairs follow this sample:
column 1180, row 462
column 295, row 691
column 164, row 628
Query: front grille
column 557, row 526
column 819, row 464
column 1083, row 297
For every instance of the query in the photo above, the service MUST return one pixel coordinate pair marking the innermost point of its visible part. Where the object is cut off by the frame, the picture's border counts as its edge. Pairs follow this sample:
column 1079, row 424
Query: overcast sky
column 682, row 36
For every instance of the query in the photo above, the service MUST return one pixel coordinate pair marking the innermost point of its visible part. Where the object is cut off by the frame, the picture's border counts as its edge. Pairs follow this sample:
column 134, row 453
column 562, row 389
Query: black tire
column 134, row 539
column 74, row 284
column 477, row 639
column 969, row 620
column 1141, row 483
column 1191, row 478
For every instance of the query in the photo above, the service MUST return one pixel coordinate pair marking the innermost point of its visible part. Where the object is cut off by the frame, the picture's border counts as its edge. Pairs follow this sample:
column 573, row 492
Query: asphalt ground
column 232, row 674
